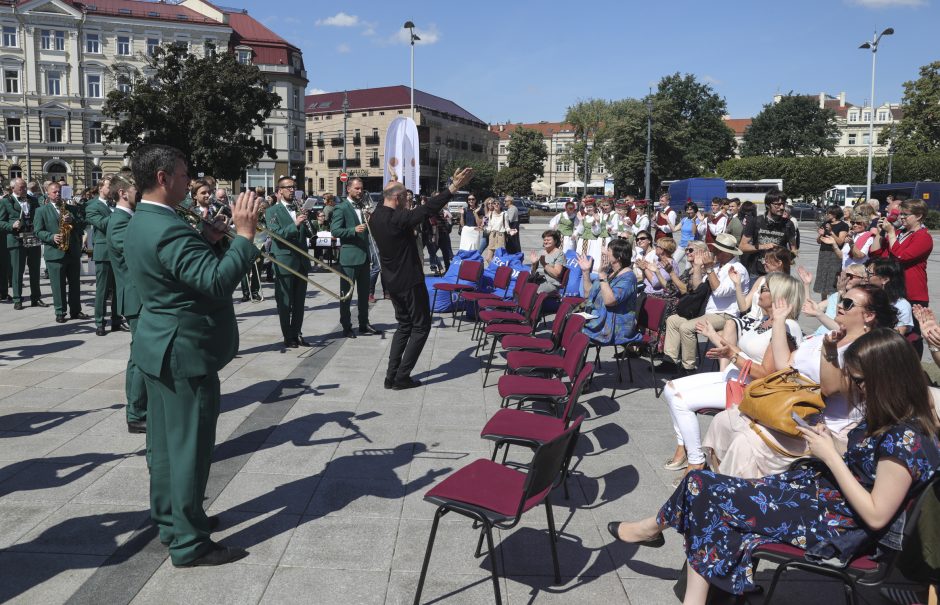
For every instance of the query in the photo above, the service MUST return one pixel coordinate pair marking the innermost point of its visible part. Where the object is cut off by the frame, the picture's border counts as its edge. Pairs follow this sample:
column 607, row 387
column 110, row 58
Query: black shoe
column 290, row 343
column 409, row 383
column 60, row 319
column 348, row 333
column 120, row 326
column 256, row 297
column 245, row 298
column 101, row 331
column 668, row 366
column 389, row 383
column 369, row 331
column 38, row 303
column 18, row 306
column 7, row 298
column 301, row 342
column 79, row 315
column 136, row 426
column 656, row 542
column 219, row 555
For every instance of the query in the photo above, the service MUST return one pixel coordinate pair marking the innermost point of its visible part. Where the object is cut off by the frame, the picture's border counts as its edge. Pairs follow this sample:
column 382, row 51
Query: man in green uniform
column 186, row 333
column 124, row 193
column 285, row 220
column 98, row 213
column 347, row 223
column 17, row 214
column 64, row 266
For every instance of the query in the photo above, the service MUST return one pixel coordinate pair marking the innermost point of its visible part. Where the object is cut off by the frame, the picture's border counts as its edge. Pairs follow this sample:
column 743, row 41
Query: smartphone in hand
column 799, row 421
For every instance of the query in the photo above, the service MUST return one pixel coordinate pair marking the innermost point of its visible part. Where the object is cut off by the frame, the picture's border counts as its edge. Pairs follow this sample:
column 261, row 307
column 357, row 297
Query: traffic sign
column 343, row 177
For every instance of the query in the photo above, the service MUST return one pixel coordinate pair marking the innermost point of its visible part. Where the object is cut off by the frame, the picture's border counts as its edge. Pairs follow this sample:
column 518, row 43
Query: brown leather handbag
column 769, row 402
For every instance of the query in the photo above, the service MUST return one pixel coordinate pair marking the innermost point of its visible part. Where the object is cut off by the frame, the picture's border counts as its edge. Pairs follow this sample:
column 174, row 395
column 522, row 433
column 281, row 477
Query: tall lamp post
column 891, row 152
column 873, row 46
column 345, row 117
column 649, row 143
column 410, row 26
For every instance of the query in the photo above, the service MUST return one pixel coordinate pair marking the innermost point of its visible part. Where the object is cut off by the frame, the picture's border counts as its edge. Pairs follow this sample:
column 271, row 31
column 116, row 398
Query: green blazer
column 47, row 226
column 97, row 214
column 355, row 246
column 278, row 221
column 187, row 321
column 128, row 300
column 10, row 213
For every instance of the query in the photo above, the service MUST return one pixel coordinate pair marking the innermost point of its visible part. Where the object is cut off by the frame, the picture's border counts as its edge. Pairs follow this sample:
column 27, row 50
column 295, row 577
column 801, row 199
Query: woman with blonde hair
column 496, row 227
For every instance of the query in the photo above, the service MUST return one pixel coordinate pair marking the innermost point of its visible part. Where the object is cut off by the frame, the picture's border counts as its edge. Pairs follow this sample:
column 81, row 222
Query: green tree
column 588, row 119
column 794, row 126
column 513, row 180
column 208, row 107
column 527, row 151
column 484, row 173
column 699, row 115
column 919, row 128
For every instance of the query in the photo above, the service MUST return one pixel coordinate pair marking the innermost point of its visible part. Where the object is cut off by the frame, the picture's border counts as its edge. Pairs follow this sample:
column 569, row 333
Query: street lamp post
column 891, row 151
column 873, row 46
column 410, row 26
column 587, row 171
column 345, row 117
column 649, row 143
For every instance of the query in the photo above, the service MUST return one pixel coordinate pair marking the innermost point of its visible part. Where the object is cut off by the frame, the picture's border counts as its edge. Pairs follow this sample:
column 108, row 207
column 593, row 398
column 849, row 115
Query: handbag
column 769, row 402
column 692, row 304
column 734, row 388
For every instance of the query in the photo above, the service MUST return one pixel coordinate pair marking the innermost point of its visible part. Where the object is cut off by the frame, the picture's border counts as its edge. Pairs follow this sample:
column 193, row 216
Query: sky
column 515, row 61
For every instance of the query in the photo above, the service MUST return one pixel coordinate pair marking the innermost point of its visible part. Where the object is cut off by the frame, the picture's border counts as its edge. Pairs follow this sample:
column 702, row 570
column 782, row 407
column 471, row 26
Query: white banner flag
column 401, row 153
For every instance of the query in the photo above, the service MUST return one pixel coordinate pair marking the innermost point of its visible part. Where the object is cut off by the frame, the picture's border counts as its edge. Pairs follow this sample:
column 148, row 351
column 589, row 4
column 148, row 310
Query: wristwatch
column 933, row 349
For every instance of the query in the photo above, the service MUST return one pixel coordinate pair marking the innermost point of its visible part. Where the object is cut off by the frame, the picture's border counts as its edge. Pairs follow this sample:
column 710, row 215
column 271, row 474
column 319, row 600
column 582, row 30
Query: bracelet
column 734, row 359
column 933, row 349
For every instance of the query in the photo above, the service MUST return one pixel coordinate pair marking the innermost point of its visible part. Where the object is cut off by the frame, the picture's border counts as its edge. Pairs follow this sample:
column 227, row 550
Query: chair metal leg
column 479, row 550
column 773, row 583
column 441, row 511
column 630, row 369
column 489, row 544
column 505, row 453
column 489, row 362
column 653, row 372
column 433, row 304
column 552, row 538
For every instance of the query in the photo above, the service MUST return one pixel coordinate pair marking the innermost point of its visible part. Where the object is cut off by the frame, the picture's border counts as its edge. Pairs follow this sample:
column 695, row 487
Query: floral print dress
column 725, row 518
column 615, row 325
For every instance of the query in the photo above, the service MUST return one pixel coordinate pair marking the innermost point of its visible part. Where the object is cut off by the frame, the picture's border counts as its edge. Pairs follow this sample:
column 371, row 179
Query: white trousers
column 685, row 396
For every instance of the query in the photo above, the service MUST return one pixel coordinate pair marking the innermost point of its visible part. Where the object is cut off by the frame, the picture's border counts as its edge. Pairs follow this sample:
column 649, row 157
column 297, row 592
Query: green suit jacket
column 355, row 246
column 128, row 300
column 47, row 227
column 187, row 321
column 278, row 221
column 97, row 214
column 10, row 213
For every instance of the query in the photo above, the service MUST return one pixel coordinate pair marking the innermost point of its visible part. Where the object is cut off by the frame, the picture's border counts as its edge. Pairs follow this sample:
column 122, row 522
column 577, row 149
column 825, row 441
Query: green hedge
column 811, row 176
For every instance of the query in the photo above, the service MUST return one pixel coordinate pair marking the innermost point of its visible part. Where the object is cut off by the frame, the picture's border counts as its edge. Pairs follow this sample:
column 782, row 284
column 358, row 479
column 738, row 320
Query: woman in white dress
column 496, row 227
column 588, row 232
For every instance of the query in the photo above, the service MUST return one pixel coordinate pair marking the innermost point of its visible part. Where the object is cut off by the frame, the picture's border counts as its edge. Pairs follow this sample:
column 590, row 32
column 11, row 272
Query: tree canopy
column 513, row 180
column 794, row 126
column 919, row 128
column 526, row 151
column 484, row 173
column 208, row 107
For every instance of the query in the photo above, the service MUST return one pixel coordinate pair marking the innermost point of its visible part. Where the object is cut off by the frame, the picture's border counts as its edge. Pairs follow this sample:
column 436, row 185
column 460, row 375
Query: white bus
column 845, row 196
column 753, row 191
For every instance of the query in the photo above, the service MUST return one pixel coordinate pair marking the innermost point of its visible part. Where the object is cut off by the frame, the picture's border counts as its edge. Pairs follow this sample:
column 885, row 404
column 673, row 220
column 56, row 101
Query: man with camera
column 17, row 213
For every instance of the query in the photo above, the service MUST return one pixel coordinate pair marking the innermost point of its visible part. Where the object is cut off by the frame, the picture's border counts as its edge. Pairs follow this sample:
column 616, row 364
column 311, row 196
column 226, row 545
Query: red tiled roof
column 738, row 125
column 385, row 97
column 268, row 47
column 546, row 128
column 141, row 9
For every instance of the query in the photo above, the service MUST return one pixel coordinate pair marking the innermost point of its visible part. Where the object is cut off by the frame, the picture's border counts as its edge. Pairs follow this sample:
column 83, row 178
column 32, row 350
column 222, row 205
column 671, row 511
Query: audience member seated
column 825, row 311
column 611, row 298
column 643, row 245
column 548, row 266
column 741, row 449
column 888, row 274
column 836, row 504
column 681, row 342
column 706, row 390
column 660, row 268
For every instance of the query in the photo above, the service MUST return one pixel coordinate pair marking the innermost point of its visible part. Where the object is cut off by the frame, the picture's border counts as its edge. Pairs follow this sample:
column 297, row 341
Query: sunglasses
column 642, row 239
column 764, row 289
column 848, row 304
column 690, row 250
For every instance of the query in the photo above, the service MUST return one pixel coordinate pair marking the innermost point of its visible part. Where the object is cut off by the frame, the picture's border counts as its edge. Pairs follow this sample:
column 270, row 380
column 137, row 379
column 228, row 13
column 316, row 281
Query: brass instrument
column 195, row 220
column 65, row 227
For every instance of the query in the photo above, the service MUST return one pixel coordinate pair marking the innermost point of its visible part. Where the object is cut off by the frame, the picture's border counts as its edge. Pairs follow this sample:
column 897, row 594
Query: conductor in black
column 393, row 228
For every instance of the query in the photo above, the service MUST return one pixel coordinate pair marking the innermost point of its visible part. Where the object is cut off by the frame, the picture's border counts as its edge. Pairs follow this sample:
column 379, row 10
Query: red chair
column 518, row 315
column 547, row 364
column 521, row 389
column 469, row 270
column 507, row 304
column 496, row 496
column 498, row 330
column 501, row 281
column 565, row 322
column 650, row 322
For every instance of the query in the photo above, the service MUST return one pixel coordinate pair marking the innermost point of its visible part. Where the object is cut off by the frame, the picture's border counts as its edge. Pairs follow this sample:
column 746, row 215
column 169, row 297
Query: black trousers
column 413, row 314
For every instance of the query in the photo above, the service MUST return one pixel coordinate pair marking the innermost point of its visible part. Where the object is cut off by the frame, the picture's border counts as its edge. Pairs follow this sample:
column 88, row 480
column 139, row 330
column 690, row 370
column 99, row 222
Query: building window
column 124, row 45
column 93, row 43
column 268, row 135
column 310, row 156
column 296, row 99
column 322, row 186
column 55, row 130
column 865, row 139
column 9, row 36
column 853, row 116
column 94, row 132
column 209, row 48
column 13, row 129
column 295, row 139
column 852, row 138
column 260, row 177
column 124, row 85
column 96, row 174
column 58, row 41
column 51, row 39
column 322, row 155
column 17, row 173
column 94, row 86
column 866, row 116
column 11, row 81
column 882, row 116
column 53, row 83
column 375, row 154
column 557, row 166
column 152, row 45
column 183, row 44
column 244, row 57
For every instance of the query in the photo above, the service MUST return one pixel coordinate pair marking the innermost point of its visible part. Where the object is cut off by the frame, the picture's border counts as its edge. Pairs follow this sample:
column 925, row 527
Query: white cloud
column 710, row 79
column 343, row 48
column 340, row 19
column 889, row 3
column 315, row 91
column 431, row 35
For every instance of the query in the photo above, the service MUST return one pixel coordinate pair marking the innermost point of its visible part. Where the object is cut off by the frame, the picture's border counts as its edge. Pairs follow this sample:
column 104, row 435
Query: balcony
column 373, row 140
column 338, row 163
column 373, row 162
column 336, row 141
column 321, row 143
column 357, row 141
column 308, row 142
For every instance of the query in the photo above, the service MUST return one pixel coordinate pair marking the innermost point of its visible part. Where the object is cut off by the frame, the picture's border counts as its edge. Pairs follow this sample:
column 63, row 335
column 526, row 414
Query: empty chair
column 469, row 271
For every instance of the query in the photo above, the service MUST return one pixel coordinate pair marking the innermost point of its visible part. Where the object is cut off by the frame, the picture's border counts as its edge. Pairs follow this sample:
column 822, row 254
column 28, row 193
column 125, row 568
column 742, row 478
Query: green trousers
column 290, row 292
column 104, row 287
column 65, row 275
column 360, row 275
column 180, row 437
column 134, row 388
column 20, row 258
column 5, row 272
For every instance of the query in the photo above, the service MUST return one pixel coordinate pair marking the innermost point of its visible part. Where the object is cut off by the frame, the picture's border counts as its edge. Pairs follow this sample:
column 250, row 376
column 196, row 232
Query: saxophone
column 65, row 227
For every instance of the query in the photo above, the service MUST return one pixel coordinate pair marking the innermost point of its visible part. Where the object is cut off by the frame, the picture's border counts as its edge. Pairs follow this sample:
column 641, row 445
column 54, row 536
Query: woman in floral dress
column 611, row 298
column 834, row 506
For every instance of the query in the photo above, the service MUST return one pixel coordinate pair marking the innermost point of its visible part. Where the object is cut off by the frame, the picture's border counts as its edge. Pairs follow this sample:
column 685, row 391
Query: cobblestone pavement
column 319, row 472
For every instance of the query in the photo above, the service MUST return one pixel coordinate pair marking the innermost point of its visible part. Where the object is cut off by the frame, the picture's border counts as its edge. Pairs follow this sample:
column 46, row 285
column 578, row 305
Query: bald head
column 392, row 193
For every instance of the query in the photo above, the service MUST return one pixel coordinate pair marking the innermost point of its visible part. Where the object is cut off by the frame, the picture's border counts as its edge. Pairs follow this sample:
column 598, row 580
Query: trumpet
column 195, row 220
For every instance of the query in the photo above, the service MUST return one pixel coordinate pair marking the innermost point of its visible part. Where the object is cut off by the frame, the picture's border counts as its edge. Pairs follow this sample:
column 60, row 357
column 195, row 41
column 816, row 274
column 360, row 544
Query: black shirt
column 768, row 230
column 393, row 232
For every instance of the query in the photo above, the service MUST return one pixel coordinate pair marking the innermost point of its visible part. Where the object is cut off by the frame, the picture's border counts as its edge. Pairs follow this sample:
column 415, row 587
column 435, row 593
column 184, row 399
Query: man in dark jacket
column 393, row 229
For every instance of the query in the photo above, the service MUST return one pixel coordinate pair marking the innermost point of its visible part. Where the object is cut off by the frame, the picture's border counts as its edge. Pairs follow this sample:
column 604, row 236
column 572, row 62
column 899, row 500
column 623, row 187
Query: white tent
column 573, row 185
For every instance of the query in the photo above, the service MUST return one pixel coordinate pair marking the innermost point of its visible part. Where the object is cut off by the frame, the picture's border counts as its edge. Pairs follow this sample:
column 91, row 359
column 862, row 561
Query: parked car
column 522, row 205
column 558, row 204
column 458, row 202
column 804, row 211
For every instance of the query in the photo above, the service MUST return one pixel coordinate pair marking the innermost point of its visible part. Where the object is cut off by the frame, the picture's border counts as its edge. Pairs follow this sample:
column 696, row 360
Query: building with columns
column 60, row 58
